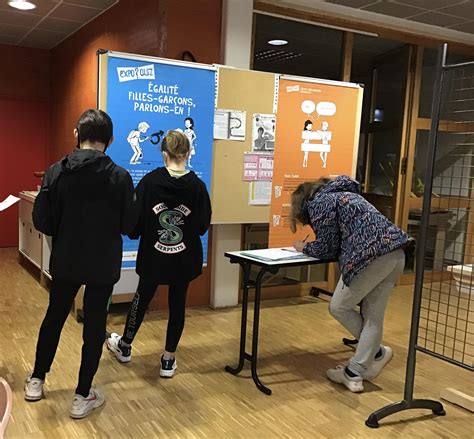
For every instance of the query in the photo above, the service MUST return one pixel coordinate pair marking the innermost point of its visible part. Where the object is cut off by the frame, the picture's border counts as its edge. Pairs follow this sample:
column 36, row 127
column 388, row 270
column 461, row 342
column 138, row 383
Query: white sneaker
column 33, row 389
column 122, row 353
column 81, row 406
column 338, row 375
column 167, row 367
column 378, row 364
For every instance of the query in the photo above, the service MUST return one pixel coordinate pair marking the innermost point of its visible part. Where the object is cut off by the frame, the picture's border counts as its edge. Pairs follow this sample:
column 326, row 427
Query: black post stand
column 408, row 401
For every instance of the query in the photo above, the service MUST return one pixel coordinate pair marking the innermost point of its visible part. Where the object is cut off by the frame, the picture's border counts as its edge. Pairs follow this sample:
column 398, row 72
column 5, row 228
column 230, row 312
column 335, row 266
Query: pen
column 306, row 237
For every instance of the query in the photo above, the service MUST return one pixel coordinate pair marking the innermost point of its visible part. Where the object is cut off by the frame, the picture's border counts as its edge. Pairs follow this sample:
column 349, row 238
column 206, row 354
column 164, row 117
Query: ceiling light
column 22, row 4
column 277, row 42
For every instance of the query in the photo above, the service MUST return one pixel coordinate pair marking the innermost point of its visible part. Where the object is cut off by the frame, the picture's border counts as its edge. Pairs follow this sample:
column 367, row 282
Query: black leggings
column 177, row 305
column 61, row 298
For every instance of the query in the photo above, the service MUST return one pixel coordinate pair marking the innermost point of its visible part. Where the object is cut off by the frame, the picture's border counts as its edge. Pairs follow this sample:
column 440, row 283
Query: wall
column 24, row 124
column 74, row 62
column 194, row 26
column 164, row 28
column 158, row 28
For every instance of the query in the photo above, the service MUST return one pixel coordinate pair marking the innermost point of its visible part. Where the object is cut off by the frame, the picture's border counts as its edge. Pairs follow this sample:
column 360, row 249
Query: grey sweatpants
column 372, row 287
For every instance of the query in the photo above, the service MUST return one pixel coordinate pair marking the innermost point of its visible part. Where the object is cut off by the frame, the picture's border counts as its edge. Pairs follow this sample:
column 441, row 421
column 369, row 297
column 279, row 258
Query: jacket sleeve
column 137, row 230
column 205, row 210
column 324, row 222
column 43, row 207
column 129, row 207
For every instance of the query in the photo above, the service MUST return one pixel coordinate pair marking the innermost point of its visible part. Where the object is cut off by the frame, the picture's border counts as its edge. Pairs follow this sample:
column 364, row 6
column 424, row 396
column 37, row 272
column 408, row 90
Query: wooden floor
column 299, row 341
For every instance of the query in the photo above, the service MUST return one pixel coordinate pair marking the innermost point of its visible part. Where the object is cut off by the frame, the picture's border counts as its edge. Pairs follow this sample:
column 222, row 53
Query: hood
column 81, row 158
column 343, row 183
column 185, row 182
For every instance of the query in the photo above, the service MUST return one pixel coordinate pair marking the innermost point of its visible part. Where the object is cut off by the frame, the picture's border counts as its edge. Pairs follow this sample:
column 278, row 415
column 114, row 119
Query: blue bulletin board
column 145, row 97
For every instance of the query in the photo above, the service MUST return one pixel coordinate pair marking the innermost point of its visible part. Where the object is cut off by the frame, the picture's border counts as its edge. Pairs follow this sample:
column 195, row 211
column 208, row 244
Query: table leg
column 256, row 323
column 243, row 325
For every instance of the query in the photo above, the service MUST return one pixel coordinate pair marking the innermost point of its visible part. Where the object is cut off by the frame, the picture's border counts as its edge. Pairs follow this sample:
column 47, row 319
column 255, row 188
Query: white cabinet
column 30, row 240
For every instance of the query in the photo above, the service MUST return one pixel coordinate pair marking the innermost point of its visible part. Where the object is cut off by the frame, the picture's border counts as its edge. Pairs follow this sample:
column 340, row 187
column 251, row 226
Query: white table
column 246, row 262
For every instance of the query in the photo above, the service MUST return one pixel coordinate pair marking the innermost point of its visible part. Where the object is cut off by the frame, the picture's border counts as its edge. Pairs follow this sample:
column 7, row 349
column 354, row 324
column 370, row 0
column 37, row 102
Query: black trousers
column 61, row 298
column 177, row 305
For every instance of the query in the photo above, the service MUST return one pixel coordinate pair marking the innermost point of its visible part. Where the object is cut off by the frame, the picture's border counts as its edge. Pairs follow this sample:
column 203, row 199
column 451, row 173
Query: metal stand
column 408, row 401
column 435, row 406
column 243, row 355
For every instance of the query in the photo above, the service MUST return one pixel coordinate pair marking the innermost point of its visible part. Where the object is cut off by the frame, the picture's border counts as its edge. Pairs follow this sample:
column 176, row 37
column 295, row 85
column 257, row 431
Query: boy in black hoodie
column 175, row 211
column 85, row 203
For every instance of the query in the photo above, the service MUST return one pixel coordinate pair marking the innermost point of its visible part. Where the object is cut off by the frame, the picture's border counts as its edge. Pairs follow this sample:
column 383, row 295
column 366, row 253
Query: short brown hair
column 300, row 197
column 176, row 145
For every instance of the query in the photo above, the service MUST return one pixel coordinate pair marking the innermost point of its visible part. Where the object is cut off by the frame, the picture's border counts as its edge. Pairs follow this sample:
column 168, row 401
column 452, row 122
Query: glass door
column 387, row 130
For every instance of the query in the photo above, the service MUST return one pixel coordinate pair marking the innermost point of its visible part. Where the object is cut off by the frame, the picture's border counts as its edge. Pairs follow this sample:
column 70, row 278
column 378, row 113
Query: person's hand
column 299, row 245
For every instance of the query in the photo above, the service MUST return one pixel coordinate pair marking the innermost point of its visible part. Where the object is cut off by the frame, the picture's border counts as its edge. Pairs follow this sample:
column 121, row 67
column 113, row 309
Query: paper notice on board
column 260, row 193
column 230, row 124
column 8, row 202
column 263, row 132
column 221, row 124
column 258, row 166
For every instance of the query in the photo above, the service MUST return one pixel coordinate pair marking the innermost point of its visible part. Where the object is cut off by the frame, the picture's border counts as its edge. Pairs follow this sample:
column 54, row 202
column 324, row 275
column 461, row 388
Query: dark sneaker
column 167, row 367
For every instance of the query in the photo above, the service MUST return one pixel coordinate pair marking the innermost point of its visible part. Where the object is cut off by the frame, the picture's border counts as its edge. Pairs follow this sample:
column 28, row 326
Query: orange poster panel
column 317, row 135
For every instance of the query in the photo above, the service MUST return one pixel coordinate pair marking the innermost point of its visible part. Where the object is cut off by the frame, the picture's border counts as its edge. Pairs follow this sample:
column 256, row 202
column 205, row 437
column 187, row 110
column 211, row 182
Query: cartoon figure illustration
column 325, row 136
column 134, row 139
column 191, row 135
column 308, row 126
column 323, row 148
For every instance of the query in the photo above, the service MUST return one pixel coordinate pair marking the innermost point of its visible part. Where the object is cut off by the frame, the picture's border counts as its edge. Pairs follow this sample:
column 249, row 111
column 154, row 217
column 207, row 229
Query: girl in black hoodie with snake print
column 175, row 211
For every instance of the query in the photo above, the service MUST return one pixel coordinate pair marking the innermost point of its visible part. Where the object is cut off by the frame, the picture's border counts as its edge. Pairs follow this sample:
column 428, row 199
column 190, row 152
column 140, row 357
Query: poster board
column 318, row 124
column 253, row 92
column 146, row 97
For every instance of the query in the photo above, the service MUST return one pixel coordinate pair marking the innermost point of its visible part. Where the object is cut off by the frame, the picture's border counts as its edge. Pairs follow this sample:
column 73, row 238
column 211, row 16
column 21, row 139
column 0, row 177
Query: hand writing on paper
column 299, row 245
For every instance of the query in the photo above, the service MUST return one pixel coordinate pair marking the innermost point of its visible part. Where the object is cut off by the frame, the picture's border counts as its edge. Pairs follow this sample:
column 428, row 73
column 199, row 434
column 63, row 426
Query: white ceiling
column 449, row 20
column 452, row 14
column 50, row 23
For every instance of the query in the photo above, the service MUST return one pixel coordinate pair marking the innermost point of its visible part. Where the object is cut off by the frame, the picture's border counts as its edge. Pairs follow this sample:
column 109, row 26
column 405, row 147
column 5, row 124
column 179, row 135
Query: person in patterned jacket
column 371, row 258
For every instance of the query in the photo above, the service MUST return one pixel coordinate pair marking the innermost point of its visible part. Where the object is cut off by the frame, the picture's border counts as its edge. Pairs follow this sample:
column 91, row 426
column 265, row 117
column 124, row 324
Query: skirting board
column 459, row 398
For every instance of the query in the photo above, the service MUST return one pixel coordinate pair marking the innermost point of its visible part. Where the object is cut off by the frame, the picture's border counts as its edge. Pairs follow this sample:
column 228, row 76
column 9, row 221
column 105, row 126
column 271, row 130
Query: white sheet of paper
column 221, row 124
column 230, row 124
column 8, row 202
column 237, row 125
column 260, row 193
column 275, row 254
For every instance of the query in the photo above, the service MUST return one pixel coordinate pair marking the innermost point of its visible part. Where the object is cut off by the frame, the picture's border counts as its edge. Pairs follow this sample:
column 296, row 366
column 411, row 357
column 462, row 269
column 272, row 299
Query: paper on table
column 275, row 254
column 8, row 202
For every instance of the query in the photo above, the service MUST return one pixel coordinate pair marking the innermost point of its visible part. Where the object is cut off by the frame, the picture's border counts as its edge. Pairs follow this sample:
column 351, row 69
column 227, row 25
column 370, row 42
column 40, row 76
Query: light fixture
column 277, row 42
column 22, row 5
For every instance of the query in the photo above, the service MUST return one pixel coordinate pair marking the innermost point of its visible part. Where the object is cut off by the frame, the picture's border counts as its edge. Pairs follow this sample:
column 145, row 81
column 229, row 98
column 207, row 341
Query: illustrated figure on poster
column 261, row 142
column 191, row 135
column 325, row 136
column 322, row 135
column 307, row 136
column 134, row 139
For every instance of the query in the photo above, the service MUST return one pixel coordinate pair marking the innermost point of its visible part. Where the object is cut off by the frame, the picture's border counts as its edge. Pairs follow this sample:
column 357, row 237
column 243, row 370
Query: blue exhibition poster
column 145, row 99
